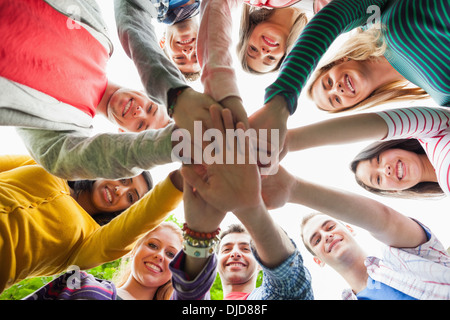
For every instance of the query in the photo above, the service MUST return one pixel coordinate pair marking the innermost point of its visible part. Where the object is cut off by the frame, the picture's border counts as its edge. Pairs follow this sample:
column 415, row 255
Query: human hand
column 177, row 179
column 272, row 116
column 199, row 214
column 237, row 109
column 191, row 110
column 276, row 189
column 228, row 186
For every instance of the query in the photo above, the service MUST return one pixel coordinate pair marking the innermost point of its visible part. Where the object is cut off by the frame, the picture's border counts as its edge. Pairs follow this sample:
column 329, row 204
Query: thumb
column 193, row 178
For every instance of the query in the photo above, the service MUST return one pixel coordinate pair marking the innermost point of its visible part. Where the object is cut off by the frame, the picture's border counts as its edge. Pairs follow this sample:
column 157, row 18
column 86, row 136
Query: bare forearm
column 271, row 242
column 384, row 223
column 347, row 129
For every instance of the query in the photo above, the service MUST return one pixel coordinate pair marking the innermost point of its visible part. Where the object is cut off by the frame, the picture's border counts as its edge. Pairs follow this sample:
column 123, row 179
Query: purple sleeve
column 195, row 289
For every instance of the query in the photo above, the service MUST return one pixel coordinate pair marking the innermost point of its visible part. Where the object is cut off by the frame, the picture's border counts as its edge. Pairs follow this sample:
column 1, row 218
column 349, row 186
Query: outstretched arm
column 193, row 275
column 213, row 53
column 200, row 217
column 73, row 155
column 383, row 222
column 340, row 130
column 400, row 123
column 162, row 80
column 139, row 41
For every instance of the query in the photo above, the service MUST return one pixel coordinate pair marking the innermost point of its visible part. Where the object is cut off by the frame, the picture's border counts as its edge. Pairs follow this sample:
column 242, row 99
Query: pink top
column 236, row 296
column 213, row 44
column 48, row 51
column 431, row 127
column 214, row 41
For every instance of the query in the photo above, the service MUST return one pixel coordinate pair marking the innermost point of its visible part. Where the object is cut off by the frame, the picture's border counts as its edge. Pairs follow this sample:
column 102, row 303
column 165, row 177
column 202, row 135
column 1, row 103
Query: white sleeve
column 415, row 122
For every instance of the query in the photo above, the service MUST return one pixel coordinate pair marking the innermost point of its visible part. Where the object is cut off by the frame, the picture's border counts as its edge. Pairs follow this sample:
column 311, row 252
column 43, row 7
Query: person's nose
column 235, row 254
column 338, row 88
column 137, row 112
column 388, row 170
column 120, row 190
column 188, row 51
column 265, row 50
column 158, row 256
column 329, row 237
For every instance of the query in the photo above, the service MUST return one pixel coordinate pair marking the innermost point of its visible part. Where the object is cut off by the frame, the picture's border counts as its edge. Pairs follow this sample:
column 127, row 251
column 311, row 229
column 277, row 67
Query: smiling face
column 133, row 111
column 330, row 240
column 181, row 45
column 393, row 169
column 236, row 262
column 150, row 265
column 266, row 46
column 117, row 195
column 343, row 86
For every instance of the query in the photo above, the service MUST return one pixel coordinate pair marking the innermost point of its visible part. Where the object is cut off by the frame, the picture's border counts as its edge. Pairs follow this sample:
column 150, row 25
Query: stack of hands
column 230, row 179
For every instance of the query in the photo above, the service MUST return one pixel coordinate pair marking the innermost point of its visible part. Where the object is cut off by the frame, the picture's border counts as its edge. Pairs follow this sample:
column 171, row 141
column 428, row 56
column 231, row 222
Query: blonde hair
column 165, row 291
column 369, row 45
column 250, row 17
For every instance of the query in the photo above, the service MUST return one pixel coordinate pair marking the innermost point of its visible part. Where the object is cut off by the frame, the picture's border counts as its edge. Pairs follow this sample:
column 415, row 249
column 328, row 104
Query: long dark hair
column 423, row 190
column 103, row 218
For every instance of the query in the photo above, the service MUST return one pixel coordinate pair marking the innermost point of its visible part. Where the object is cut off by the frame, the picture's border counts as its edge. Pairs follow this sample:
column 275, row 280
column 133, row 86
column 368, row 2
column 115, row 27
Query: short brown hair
column 302, row 226
column 232, row 228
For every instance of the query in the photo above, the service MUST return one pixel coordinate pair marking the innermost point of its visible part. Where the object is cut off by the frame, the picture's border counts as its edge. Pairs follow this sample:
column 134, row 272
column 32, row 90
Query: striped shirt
column 416, row 32
column 431, row 127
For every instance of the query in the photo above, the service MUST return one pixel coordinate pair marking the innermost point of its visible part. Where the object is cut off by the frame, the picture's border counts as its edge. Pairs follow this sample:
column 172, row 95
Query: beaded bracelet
column 200, row 243
column 200, row 235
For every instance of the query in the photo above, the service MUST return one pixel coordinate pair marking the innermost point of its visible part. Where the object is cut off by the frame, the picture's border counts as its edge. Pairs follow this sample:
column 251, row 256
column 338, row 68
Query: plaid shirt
column 422, row 272
column 289, row 281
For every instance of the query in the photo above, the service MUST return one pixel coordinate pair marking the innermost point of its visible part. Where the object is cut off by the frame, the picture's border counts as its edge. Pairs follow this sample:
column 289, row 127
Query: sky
column 326, row 165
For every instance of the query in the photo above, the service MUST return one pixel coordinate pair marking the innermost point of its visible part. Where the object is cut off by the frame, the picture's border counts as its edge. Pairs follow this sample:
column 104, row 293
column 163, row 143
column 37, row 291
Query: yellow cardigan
column 43, row 230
